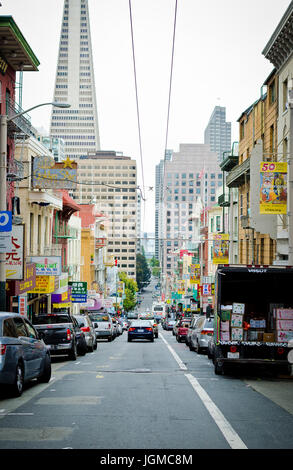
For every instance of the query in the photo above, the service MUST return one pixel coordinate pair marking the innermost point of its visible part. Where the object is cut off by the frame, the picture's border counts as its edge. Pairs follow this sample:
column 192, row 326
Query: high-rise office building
column 109, row 180
column 159, row 203
column 75, row 84
column 191, row 176
column 218, row 132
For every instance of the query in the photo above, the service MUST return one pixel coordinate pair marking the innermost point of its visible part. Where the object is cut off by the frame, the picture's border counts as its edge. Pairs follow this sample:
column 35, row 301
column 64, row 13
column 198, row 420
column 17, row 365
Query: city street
column 144, row 395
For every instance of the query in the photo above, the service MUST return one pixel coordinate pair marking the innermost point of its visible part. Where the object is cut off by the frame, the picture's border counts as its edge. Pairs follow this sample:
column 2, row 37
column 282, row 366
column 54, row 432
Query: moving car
column 86, row 326
column 103, row 325
column 23, row 355
column 151, row 318
column 140, row 329
column 204, row 328
column 169, row 324
column 61, row 333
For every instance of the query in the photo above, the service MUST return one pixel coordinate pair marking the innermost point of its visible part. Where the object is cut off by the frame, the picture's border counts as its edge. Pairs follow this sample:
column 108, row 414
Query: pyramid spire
column 75, row 84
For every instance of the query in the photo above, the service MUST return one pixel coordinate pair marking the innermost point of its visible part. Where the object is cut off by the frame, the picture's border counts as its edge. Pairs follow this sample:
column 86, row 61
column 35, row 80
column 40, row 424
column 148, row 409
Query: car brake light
column 206, row 332
column 109, row 325
column 233, row 349
column 68, row 334
column 131, row 329
column 280, row 351
column 149, row 329
column 86, row 329
column 2, row 349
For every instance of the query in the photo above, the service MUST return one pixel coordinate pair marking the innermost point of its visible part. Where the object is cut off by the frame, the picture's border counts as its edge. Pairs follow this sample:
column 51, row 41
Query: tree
column 143, row 272
column 130, row 290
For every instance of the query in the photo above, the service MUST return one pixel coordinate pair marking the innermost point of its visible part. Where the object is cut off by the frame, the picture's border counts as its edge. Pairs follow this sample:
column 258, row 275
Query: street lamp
column 4, row 119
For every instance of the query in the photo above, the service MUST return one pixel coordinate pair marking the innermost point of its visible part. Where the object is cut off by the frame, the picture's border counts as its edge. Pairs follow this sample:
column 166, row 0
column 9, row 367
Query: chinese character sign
column 79, row 291
column 220, row 248
column 273, row 188
column 14, row 257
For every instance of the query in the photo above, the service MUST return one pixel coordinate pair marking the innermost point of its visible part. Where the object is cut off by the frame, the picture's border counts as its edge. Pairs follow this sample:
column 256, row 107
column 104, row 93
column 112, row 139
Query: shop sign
column 44, row 285
column 100, row 242
column 206, row 289
column 48, row 174
column 22, row 305
column 194, row 274
column 5, row 221
column 14, row 257
column 61, row 297
column 108, row 303
column 273, row 188
column 47, row 265
column 79, row 291
column 28, row 283
column 62, row 305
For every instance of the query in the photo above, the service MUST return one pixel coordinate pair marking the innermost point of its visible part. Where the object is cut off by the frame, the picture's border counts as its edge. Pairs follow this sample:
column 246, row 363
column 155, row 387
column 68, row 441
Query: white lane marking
column 174, row 354
column 228, row 432
column 226, row 429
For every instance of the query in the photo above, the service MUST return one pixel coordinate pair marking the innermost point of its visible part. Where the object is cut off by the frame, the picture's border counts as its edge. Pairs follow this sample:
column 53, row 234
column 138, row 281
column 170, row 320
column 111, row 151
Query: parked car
column 23, row 355
column 140, row 329
column 124, row 324
column 190, row 329
column 169, row 323
column 87, row 327
column 182, row 330
column 211, row 348
column 151, row 318
column 175, row 327
column 204, row 328
column 61, row 333
column 103, row 325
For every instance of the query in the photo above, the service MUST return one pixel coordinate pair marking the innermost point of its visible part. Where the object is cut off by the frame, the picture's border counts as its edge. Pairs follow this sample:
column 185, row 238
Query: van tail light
column 206, row 332
column 109, row 325
column 2, row 349
column 280, row 351
column 233, row 349
column 86, row 329
column 68, row 337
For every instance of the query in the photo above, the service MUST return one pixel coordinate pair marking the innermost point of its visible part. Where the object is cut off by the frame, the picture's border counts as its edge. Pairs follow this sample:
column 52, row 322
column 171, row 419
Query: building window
column 285, row 95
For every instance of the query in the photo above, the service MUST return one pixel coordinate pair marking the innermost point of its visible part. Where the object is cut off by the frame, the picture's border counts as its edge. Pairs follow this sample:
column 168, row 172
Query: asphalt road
column 144, row 395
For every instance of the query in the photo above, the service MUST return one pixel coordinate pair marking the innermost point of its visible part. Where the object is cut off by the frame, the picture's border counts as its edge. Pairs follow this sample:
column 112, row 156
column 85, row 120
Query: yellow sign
column 63, row 305
column 194, row 274
column 44, row 285
column 273, row 188
column 220, row 248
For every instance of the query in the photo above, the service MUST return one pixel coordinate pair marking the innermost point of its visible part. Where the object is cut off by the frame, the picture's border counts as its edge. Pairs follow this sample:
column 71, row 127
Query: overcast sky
column 218, row 61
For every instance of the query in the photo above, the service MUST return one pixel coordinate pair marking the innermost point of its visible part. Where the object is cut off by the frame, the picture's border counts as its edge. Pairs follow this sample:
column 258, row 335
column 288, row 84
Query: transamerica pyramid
column 75, row 84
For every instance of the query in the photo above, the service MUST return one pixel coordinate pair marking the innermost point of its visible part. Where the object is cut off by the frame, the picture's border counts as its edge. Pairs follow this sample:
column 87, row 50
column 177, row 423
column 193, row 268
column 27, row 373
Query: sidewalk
column 280, row 391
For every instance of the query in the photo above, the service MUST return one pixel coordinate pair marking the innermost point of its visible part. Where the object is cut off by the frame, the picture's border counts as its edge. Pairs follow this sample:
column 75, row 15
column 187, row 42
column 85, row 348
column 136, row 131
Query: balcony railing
column 20, row 124
column 237, row 176
column 15, row 170
column 224, row 200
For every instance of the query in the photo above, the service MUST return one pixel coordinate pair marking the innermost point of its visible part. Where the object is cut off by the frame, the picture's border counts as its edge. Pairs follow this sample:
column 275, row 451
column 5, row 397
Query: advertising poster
column 48, row 174
column 273, row 188
column 194, row 274
column 15, row 256
column 220, row 248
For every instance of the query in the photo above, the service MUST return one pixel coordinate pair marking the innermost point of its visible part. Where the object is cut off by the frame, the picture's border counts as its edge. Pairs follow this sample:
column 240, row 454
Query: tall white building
column 109, row 180
column 75, row 84
column 191, row 176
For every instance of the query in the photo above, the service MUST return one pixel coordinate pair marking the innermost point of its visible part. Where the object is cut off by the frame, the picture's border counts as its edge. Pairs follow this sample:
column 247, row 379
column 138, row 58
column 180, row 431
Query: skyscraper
column 75, row 84
column 218, row 132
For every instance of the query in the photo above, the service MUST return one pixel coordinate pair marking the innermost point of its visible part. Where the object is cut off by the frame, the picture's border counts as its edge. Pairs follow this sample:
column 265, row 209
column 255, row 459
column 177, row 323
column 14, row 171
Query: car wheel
column 157, row 336
column 191, row 347
column 46, row 374
column 128, row 339
column 95, row 345
column 110, row 338
column 152, row 340
column 73, row 353
column 17, row 387
column 218, row 366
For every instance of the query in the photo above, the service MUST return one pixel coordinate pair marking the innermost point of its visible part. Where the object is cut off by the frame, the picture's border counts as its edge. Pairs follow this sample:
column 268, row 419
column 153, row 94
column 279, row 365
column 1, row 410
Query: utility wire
column 137, row 112
column 136, row 94
column 170, row 85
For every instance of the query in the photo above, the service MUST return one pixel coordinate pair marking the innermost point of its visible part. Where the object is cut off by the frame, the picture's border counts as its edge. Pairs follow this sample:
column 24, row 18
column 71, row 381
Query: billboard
column 220, row 248
column 273, row 188
column 14, row 263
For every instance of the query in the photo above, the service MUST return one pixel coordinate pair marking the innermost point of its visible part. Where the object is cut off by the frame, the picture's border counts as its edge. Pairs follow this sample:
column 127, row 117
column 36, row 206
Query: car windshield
column 81, row 320
column 51, row 319
column 99, row 317
column 146, row 318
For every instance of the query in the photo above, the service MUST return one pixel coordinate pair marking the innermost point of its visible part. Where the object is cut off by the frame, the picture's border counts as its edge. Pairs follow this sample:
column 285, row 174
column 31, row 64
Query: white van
column 103, row 325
